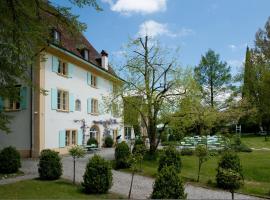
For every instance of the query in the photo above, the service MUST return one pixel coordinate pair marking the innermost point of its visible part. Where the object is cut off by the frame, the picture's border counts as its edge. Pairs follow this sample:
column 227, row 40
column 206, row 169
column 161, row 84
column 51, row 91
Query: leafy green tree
column 201, row 152
column 76, row 152
column 213, row 75
column 25, row 33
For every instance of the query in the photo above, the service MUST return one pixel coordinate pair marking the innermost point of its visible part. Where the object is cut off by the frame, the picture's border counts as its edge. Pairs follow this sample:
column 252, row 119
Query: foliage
column 201, row 152
column 139, row 149
column 213, row 75
column 92, row 141
column 26, row 33
column 122, row 155
column 230, row 160
column 76, row 152
column 50, row 166
column 10, row 160
column 170, row 157
column 229, row 179
column 187, row 152
column 238, row 146
column 97, row 178
column 168, row 185
column 108, row 141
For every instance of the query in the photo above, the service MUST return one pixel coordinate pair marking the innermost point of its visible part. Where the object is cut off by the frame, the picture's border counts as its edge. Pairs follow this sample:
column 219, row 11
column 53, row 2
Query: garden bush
column 108, row 141
column 50, row 166
column 168, row 185
column 92, row 141
column 187, row 152
column 10, row 160
column 170, row 157
column 139, row 141
column 97, row 178
column 139, row 149
column 122, row 155
column 171, row 138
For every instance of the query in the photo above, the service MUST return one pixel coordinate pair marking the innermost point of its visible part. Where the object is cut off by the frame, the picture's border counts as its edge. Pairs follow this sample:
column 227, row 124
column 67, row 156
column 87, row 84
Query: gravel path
column 142, row 186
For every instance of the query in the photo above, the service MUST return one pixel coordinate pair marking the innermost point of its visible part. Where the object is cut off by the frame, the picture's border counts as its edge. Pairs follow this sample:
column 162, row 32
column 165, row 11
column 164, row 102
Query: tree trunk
column 232, row 195
column 130, row 189
column 199, row 170
column 74, row 170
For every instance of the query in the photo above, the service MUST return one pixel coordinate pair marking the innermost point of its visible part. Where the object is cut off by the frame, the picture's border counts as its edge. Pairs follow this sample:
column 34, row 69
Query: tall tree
column 213, row 75
column 151, row 73
column 25, row 32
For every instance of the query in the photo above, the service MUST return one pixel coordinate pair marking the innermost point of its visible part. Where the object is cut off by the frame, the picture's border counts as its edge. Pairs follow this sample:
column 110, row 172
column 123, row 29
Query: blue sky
column 226, row 26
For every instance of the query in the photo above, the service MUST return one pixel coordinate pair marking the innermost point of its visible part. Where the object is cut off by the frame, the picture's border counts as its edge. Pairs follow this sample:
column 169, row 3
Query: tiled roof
column 75, row 44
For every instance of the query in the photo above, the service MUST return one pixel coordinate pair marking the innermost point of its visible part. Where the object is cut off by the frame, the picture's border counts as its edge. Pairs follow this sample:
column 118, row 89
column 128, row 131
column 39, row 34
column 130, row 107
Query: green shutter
column 89, row 105
column 23, row 97
column 62, row 138
column 55, row 64
column 54, row 98
column 71, row 102
column 70, row 70
column 88, row 78
column 80, row 137
column 1, row 104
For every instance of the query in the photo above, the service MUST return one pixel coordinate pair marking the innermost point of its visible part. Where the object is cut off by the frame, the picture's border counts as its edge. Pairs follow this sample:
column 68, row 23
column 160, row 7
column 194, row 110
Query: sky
column 193, row 26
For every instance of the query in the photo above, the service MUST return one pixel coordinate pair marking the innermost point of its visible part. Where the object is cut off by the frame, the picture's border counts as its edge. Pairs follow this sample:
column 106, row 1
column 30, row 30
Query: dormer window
column 56, row 36
column 85, row 54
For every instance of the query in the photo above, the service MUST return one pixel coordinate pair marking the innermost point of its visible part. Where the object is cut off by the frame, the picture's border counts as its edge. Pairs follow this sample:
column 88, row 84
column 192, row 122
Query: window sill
column 9, row 110
column 65, row 111
column 95, row 114
column 65, row 76
column 95, row 87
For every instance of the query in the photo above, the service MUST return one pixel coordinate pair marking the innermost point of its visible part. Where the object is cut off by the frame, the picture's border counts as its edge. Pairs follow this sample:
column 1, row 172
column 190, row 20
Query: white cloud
column 154, row 29
column 234, row 47
column 128, row 7
column 235, row 63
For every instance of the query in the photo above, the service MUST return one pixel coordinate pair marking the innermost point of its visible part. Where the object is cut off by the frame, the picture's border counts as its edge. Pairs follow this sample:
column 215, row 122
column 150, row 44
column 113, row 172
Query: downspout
column 31, row 113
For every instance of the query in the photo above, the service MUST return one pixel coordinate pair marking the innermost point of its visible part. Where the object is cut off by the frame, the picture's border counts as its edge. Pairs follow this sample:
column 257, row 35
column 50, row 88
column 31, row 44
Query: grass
column 37, row 189
column 256, row 168
column 257, row 142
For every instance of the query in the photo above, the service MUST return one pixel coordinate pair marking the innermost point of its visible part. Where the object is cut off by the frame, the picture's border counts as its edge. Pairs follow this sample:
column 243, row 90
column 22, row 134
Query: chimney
column 104, row 59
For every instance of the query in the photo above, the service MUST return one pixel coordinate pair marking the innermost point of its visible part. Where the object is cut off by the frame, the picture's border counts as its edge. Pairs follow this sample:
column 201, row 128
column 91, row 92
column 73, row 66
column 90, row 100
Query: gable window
column 62, row 68
column 85, row 54
column 94, row 106
column 78, row 105
column 93, row 80
column 62, row 100
column 56, row 36
column 13, row 104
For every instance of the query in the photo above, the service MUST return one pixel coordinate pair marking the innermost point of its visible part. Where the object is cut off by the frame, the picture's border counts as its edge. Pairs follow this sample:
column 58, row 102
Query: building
column 75, row 79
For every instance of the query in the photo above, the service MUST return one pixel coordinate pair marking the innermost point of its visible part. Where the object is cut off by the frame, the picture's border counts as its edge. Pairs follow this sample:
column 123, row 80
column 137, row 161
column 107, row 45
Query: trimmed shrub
column 187, row 152
column 139, row 149
column 122, row 155
column 168, row 185
column 171, row 138
column 139, row 141
column 170, row 157
column 108, row 141
column 242, row 148
column 92, row 141
column 10, row 160
column 97, row 178
column 50, row 166
column 230, row 160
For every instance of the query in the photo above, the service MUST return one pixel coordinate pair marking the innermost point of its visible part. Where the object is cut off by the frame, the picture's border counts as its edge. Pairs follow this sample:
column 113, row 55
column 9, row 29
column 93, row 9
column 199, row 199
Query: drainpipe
column 31, row 113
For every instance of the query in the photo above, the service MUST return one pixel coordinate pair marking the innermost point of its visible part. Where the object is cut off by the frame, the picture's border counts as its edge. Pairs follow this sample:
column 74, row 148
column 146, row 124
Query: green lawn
column 256, row 166
column 37, row 189
column 256, row 142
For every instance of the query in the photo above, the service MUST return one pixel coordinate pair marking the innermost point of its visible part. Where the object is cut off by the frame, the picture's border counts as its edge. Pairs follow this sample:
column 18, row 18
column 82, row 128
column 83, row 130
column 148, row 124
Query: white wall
column 55, row 120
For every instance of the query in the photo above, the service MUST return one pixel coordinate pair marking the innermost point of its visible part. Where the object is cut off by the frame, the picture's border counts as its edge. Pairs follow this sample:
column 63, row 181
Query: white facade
column 55, row 121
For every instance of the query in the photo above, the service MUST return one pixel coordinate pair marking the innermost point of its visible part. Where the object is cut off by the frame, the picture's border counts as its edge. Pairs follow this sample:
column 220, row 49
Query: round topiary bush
column 97, row 178
column 50, row 166
column 92, row 141
column 168, row 185
column 122, row 155
column 170, row 157
column 10, row 160
column 108, row 141
column 139, row 149
column 187, row 152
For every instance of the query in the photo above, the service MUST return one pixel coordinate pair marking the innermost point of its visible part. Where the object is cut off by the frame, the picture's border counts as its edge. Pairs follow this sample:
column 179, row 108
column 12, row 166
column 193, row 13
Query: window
column 127, row 133
column 71, row 137
column 62, row 68
column 56, row 36
column 85, row 54
column 78, row 105
column 94, row 106
column 13, row 104
column 62, row 100
column 93, row 80
column 93, row 132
